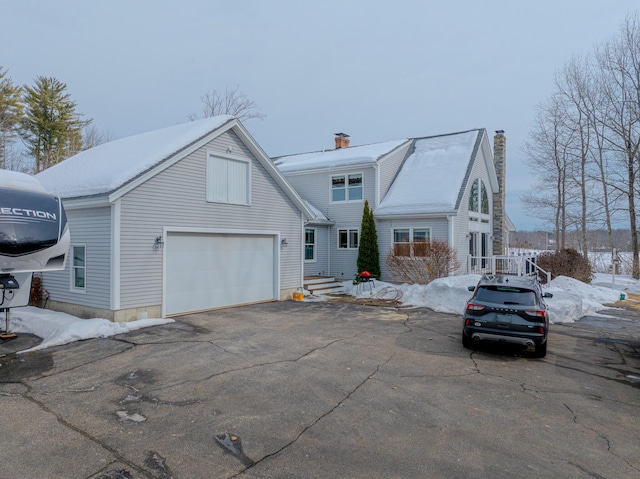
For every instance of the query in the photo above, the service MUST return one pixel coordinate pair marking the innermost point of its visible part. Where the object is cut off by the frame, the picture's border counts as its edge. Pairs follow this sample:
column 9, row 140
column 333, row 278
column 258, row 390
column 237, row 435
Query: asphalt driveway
column 324, row 390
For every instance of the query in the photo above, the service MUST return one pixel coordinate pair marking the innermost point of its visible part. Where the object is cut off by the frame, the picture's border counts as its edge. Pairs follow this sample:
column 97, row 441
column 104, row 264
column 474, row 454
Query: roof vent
column 342, row 140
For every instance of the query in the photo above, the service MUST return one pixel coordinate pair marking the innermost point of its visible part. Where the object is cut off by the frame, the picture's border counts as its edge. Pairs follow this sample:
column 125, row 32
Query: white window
column 346, row 187
column 310, row 244
column 347, row 239
column 479, row 198
column 78, row 267
column 228, row 180
column 411, row 242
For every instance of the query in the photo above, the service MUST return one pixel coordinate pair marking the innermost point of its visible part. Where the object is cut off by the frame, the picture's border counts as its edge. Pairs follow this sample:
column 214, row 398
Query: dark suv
column 507, row 309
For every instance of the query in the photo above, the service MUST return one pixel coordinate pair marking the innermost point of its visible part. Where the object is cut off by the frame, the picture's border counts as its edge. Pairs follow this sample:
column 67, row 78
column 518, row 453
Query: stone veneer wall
column 499, row 159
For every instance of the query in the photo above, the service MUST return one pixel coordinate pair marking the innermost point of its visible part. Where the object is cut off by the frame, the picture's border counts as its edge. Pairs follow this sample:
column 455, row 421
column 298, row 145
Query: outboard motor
column 34, row 235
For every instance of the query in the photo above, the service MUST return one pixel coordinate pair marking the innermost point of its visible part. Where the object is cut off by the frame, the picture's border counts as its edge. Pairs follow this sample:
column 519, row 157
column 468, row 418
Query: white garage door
column 206, row 271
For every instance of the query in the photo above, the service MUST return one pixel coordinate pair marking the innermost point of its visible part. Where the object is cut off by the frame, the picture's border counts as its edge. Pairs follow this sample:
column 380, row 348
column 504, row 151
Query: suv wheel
column 467, row 342
column 541, row 351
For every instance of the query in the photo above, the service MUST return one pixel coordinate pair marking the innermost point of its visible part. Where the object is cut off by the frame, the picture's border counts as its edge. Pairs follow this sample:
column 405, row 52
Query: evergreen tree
column 368, row 254
column 51, row 127
column 10, row 114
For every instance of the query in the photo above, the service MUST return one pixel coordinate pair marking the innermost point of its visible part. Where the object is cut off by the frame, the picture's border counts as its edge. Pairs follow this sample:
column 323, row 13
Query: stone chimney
column 499, row 160
column 342, row 140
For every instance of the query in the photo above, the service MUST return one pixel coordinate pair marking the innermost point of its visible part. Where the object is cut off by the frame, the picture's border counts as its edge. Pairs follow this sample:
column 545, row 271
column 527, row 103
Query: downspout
column 302, row 222
column 376, row 193
column 329, row 234
column 115, row 254
column 451, row 240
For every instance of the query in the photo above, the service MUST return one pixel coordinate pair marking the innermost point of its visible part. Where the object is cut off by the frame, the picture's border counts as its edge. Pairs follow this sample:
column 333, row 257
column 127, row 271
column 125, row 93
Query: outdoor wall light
column 284, row 242
column 158, row 243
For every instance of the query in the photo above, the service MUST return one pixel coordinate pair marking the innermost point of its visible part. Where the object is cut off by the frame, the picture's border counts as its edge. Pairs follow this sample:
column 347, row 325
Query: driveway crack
column 318, row 419
column 119, row 457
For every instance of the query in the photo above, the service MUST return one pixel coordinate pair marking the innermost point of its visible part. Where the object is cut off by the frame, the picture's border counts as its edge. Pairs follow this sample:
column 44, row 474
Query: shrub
column 566, row 262
column 429, row 261
column 368, row 256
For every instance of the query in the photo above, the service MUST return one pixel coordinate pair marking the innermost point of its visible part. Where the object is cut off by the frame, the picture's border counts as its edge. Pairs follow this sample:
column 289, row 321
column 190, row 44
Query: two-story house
column 446, row 187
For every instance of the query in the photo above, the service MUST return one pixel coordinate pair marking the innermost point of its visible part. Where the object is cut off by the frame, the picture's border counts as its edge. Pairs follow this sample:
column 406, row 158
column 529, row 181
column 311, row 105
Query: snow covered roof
column 432, row 175
column 320, row 217
column 22, row 181
column 354, row 155
column 105, row 168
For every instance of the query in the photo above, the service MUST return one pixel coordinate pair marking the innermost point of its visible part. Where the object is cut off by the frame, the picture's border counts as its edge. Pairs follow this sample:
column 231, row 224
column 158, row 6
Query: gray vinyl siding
column 461, row 221
column 439, row 231
column 316, row 188
column 319, row 267
column 176, row 197
column 92, row 228
column 389, row 167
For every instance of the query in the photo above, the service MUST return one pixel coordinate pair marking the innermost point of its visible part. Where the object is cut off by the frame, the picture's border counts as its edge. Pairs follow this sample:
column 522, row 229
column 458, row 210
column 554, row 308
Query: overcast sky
column 377, row 70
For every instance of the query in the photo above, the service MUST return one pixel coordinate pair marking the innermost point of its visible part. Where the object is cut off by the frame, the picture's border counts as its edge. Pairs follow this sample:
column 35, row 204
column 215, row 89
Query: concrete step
column 323, row 285
column 318, row 279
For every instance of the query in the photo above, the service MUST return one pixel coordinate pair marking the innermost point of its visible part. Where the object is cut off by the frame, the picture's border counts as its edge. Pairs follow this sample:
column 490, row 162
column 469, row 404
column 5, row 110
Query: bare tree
column 574, row 86
column 230, row 102
column 619, row 75
column 549, row 157
column 91, row 137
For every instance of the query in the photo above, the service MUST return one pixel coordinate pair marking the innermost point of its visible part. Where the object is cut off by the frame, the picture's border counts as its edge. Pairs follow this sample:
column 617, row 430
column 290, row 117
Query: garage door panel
column 205, row 271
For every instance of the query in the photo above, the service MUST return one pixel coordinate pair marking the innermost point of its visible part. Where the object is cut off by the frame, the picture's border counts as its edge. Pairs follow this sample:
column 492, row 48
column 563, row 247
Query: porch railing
column 518, row 265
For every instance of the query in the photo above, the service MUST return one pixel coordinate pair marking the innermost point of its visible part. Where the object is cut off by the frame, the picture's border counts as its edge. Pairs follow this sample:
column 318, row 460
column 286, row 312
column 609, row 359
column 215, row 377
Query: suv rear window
column 506, row 295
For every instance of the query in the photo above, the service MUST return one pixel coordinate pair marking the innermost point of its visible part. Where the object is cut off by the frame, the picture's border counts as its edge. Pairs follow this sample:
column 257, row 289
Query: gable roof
column 112, row 169
column 433, row 175
column 351, row 156
column 107, row 167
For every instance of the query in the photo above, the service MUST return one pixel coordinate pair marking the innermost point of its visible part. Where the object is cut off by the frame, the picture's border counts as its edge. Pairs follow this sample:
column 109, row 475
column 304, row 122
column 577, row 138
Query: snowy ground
column 571, row 301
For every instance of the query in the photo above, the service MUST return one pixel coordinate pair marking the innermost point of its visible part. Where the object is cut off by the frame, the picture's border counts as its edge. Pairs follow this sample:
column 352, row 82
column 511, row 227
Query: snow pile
column 572, row 299
column 446, row 295
column 59, row 328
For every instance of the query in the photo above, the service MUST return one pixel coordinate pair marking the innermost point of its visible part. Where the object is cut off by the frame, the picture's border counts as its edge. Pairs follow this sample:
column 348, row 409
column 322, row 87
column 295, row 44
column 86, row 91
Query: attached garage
column 178, row 220
column 207, row 270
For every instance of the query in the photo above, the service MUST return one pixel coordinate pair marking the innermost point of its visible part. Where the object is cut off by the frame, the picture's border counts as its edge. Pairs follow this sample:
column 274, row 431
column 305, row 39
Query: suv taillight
column 540, row 313
column 475, row 307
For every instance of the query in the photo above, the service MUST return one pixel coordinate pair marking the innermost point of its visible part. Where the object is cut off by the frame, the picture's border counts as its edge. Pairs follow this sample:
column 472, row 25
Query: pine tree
column 10, row 114
column 51, row 127
column 368, row 254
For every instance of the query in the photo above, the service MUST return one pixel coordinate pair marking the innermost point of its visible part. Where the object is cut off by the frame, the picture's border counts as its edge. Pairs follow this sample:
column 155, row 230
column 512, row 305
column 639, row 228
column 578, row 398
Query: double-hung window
column 228, row 180
column 310, row 244
column 411, row 242
column 346, row 187
column 78, row 267
column 347, row 239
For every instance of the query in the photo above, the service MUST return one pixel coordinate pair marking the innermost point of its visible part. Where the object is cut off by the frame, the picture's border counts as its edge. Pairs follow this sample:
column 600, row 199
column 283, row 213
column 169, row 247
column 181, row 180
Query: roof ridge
column 447, row 134
column 339, row 149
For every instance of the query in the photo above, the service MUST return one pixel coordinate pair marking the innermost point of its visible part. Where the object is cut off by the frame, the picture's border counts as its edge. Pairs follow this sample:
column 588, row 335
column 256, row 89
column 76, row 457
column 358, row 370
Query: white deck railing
column 518, row 265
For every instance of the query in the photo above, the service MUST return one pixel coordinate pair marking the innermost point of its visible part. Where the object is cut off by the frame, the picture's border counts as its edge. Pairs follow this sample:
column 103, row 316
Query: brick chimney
column 499, row 160
column 342, row 140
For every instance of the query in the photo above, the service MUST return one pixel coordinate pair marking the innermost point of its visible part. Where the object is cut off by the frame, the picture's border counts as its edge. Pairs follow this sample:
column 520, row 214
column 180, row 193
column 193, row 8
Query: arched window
column 479, row 198
column 473, row 197
column 484, row 199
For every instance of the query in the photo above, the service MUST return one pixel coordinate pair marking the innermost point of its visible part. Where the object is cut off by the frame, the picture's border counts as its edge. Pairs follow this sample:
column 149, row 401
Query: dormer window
column 346, row 187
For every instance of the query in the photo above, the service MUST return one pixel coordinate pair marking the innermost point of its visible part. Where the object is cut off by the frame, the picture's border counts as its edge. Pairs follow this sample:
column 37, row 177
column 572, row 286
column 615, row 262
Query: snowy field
column 571, row 301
